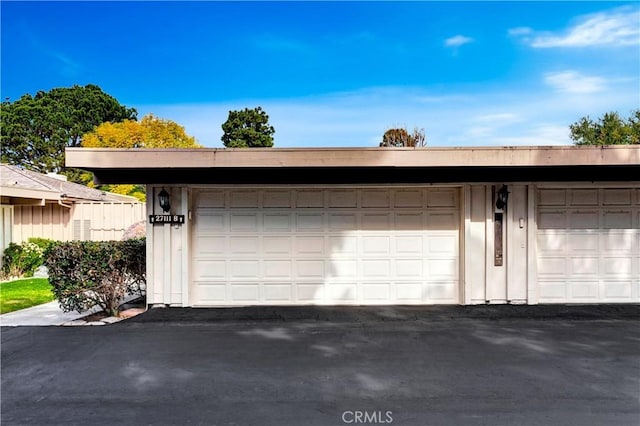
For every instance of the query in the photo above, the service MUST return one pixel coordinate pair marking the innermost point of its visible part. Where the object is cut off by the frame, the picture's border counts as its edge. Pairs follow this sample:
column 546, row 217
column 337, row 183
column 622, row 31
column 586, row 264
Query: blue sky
column 339, row 73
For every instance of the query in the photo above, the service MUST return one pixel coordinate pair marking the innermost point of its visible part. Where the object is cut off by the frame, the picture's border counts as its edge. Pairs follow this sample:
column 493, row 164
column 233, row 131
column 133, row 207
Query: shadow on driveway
column 322, row 366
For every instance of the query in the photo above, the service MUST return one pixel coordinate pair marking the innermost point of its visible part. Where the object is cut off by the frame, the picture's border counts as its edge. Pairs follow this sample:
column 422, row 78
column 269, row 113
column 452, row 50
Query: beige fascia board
column 31, row 194
column 105, row 158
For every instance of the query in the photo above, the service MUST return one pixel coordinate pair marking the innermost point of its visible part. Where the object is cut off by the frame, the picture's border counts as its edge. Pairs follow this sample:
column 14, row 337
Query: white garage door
column 588, row 245
column 314, row 246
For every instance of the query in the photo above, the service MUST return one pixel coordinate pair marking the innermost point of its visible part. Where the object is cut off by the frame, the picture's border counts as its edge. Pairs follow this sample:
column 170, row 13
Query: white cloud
column 615, row 27
column 457, row 41
column 574, row 82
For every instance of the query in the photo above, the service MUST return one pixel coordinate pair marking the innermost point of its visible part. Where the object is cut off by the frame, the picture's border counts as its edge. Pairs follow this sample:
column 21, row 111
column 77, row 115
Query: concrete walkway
column 39, row 315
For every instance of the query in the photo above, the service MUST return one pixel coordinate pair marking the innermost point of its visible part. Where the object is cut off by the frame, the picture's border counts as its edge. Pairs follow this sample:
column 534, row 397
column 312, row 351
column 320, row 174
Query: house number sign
column 166, row 218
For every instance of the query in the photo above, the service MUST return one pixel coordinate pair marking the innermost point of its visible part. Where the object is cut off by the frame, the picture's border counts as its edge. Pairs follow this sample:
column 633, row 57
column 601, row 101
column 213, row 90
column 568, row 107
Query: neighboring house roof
column 18, row 182
column 358, row 165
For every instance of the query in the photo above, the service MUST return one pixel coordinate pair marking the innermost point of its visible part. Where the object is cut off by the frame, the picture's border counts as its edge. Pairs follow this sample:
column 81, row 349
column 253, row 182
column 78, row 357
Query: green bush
column 85, row 274
column 23, row 259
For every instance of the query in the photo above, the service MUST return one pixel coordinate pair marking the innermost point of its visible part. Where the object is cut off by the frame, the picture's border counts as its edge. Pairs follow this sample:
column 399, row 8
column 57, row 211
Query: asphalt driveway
column 334, row 366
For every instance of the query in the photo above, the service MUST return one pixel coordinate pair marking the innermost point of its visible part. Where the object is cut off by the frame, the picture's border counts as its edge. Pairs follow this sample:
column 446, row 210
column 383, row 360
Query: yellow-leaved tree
column 150, row 132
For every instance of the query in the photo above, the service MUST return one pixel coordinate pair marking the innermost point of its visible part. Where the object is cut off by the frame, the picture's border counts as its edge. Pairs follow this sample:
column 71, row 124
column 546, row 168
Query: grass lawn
column 20, row 294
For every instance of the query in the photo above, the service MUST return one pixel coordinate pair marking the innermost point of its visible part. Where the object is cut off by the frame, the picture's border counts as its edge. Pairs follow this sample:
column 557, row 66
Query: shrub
column 23, row 259
column 85, row 274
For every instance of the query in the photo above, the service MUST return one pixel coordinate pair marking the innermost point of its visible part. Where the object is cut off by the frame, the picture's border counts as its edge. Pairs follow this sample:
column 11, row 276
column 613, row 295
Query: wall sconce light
column 503, row 196
column 164, row 200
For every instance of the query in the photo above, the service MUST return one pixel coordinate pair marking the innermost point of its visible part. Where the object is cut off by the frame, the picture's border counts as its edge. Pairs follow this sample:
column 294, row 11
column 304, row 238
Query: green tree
column 399, row 137
column 610, row 129
column 248, row 128
column 150, row 132
column 35, row 130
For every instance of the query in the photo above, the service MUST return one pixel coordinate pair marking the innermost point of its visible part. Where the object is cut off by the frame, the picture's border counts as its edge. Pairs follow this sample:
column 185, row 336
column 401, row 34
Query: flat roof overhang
column 358, row 165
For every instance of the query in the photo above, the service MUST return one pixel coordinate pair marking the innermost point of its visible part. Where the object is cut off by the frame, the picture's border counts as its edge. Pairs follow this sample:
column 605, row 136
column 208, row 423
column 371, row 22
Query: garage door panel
column 208, row 221
column 244, row 246
column 342, row 221
column 440, row 245
column 409, row 245
column 376, row 221
column 586, row 291
column 344, row 246
column 552, row 266
column 342, row 292
column 244, row 222
column 618, row 219
column 276, row 222
column 584, row 266
column 617, row 266
column 410, row 198
column 277, row 292
column 310, row 246
column 613, row 241
column 410, row 268
column 376, row 245
column 243, row 199
column 277, row 199
column 583, row 242
column 342, row 268
column 245, row 293
column 209, row 269
column 551, row 242
column 211, row 293
column 617, row 289
column 342, row 198
column 552, row 291
column 277, row 269
column 442, row 198
column 376, row 199
column 210, row 246
column 580, row 219
column 310, row 292
column 277, row 246
column 409, row 292
column 442, row 221
column 244, row 269
column 442, row 268
column 620, row 197
column 309, row 222
column 211, row 199
column 552, row 197
column 310, row 269
column 440, row 292
column 409, row 221
column 378, row 268
column 583, row 197
column 552, row 220
column 376, row 292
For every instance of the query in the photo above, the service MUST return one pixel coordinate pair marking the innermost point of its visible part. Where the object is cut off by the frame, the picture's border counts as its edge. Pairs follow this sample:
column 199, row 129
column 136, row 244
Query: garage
column 384, row 226
column 588, row 245
column 345, row 245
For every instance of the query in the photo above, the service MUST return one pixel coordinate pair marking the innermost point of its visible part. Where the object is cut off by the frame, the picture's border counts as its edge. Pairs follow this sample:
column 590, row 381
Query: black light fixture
column 164, row 200
column 503, row 196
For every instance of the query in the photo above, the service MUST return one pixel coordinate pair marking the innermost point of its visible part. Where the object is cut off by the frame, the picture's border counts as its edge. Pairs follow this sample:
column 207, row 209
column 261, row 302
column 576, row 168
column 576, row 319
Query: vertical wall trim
column 489, row 254
column 186, row 247
column 466, row 245
column 150, row 259
column 532, row 241
column 167, row 261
